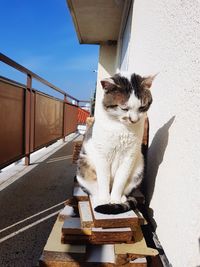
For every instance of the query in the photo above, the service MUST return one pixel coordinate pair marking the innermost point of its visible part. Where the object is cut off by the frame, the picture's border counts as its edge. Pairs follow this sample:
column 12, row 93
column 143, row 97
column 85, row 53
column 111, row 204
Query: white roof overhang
column 97, row 21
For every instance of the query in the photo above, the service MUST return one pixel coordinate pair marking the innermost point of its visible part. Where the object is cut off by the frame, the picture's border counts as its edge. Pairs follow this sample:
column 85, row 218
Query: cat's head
column 127, row 99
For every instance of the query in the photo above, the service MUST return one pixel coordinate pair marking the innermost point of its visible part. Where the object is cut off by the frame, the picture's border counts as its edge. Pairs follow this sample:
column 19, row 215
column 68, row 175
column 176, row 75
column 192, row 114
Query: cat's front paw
column 123, row 199
column 118, row 199
column 103, row 200
column 115, row 200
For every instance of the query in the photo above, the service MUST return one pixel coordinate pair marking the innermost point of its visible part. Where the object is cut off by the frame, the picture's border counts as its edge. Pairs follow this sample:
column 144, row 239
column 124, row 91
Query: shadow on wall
column 155, row 157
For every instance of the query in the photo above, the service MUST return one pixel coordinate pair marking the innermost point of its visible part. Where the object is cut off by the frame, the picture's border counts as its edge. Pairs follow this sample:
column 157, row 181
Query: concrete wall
column 106, row 68
column 165, row 38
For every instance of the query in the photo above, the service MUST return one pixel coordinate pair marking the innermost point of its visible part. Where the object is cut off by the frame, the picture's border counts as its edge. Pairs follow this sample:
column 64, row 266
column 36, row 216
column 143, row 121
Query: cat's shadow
column 155, row 157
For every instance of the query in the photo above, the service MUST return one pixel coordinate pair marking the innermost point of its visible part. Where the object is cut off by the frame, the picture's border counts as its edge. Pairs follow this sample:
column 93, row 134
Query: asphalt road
column 45, row 186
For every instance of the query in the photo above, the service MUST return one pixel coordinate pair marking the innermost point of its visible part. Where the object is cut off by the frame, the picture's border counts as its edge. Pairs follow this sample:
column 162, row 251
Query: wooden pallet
column 83, row 237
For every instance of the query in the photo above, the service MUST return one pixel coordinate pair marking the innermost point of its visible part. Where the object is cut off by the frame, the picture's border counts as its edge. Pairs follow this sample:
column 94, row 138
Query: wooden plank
column 50, row 259
column 67, row 212
column 99, row 236
column 76, row 239
column 60, row 259
column 112, row 235
column 141, row 219
column 125, row 219
column 79, row 194
column 122, row 260
column 53, row 243
column 137, row 249
column 87, row 240
column 139, row 262
column 76, row 150
column 101, row 254
column 72, row 226
column 85, row 214
column 97, row 256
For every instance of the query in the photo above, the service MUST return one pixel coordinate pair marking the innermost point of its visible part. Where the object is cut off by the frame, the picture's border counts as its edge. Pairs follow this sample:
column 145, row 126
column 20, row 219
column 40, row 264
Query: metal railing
column 30, row 119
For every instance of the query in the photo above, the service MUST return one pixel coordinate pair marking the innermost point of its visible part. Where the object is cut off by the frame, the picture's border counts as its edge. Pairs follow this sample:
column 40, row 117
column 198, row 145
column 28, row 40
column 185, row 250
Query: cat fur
column 111, row 163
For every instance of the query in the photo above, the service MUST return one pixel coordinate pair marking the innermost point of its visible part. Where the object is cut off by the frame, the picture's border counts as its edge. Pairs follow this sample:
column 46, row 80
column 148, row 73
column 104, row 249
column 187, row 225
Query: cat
column 110, row 164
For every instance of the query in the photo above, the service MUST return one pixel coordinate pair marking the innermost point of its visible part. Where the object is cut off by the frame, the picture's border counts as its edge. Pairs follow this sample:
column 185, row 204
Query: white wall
column 106, row 68
column 165, row 38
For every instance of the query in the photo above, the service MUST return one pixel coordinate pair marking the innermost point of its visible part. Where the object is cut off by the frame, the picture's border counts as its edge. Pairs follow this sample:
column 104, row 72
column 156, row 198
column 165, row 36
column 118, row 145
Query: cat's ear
column 108, row 84
column 147, row 81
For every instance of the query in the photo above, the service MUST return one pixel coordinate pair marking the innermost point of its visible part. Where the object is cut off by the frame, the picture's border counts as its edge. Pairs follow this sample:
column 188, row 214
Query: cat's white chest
column 110, row 140
column 113, row 146
column 124, row 147
column 125, row 140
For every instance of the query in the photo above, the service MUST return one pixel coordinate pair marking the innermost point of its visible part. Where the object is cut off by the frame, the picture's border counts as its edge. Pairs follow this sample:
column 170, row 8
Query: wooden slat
column 67, row 212
column 137, row 249
column 141, row 219
column 72, row 226
column 53, row 243
column 101, row 254
column 126, row 219
column 76, row 239
column 76, row 150
column 139, row 260
column 85, row 214
column 112, row 235
column 122, row 260
column 79, row 194
column 76, row 235
column 60, row 259
column 50, row 259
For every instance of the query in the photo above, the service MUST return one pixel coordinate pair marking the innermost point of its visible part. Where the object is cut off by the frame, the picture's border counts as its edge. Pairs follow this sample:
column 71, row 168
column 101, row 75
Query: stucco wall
column 165, row 38
column 106, row 68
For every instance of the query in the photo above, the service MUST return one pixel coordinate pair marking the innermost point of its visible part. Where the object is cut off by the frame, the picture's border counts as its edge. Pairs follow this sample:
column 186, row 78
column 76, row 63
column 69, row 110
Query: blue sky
column 40, row 35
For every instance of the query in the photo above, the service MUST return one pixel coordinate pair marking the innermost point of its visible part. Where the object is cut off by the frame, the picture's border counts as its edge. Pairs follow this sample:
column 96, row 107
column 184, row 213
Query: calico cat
column 111, row 164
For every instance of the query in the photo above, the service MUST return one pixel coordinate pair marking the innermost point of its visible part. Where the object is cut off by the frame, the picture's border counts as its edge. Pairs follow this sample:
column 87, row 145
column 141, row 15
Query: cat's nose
column 133, row 120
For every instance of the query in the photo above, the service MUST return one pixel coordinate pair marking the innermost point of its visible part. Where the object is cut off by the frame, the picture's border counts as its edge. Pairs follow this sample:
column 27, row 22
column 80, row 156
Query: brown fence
column 29, row 119
column 71, row 112
column 82, row 115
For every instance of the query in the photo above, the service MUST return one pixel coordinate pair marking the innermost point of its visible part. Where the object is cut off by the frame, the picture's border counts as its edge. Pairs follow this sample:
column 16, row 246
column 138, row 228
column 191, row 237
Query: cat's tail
column 130, row 204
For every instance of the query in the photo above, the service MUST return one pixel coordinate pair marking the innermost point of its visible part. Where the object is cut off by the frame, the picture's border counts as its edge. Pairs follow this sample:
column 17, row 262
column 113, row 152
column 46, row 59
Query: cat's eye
column 112, row 106
column 124, row 109
column 142, row 108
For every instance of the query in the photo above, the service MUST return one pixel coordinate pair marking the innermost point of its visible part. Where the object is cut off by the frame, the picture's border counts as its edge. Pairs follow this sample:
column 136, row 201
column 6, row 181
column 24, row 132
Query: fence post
column 32, row 123
column 64, row 119
column 28, row 119
column 77, row 119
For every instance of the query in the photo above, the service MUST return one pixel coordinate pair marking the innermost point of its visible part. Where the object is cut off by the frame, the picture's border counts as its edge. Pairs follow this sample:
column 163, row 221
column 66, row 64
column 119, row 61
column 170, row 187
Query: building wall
column 165, row 38
column 106, row 68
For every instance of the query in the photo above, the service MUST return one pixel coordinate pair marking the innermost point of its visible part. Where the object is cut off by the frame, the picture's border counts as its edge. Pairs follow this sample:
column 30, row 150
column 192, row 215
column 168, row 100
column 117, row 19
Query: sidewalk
column 29, row 207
